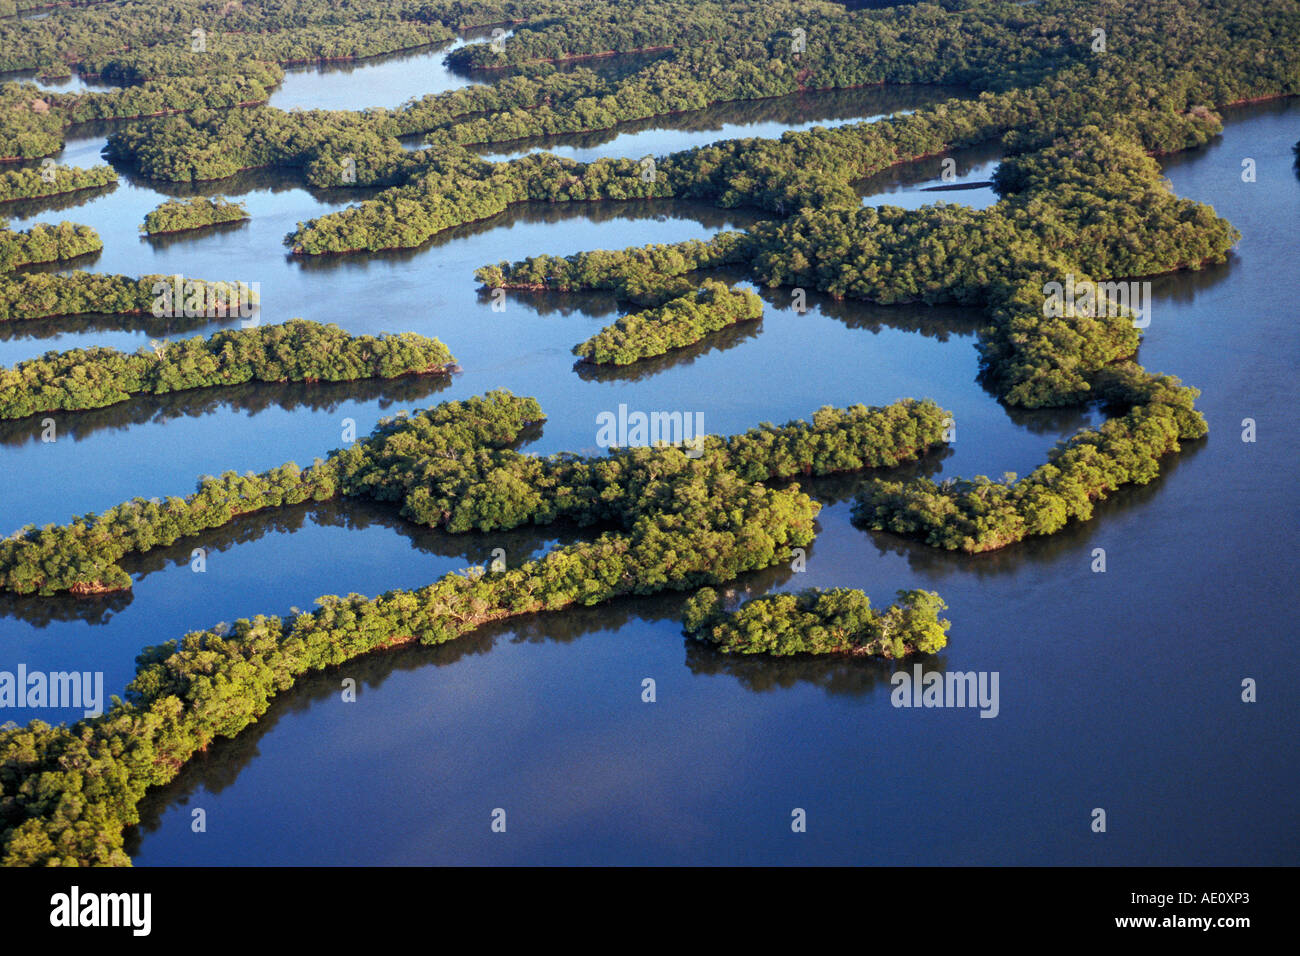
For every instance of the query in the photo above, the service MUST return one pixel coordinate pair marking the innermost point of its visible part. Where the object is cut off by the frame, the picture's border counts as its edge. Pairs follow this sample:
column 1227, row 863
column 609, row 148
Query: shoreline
column 206, row 225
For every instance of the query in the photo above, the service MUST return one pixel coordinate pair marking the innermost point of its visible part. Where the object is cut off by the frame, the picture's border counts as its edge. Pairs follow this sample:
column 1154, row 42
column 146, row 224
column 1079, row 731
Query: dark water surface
column 1118, row 690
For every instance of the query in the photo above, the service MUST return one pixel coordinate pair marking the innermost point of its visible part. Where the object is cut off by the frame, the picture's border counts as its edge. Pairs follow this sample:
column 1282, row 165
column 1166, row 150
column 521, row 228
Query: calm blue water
column 1118, row 690
column 767, row 119
column 386, row 81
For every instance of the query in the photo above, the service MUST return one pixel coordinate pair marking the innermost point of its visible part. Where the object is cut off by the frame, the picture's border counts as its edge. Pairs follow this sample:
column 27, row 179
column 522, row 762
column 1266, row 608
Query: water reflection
column 249, row 399
column 545, row 213
column 840, row 676
column 923, row 182
column 354, row 514
column 1182, row 288
column 145, row 323
column 220, row 766
column 936, row 564
column 163, row 240
column 589, row 303
column 838, row 489
column 274, row 181
column 938, row 322
column 30, row 208
column 767, row 118
column 75, row 83
column 720, row 341
column 378, row 81
column 82, row 262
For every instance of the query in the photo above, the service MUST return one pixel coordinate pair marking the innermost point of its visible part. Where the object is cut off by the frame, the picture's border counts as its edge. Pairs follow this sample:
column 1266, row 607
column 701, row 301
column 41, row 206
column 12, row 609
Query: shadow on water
column 839, row 676
column 719, row 341
column 31, row 208
column 1074, row 539
column 82, row 262
column 798, row 109
column 1182, row 288
column 545, row 213
column 591, row 304
column 249, row 398
column 1048, row 421
column 837, row 489
column 938, row 322
column 158, row 328
column 219, row 766
column 272, row 180
column 909, row 175
column 363, row 64
column 40, row 612
column 166, row 240
column 355, row 514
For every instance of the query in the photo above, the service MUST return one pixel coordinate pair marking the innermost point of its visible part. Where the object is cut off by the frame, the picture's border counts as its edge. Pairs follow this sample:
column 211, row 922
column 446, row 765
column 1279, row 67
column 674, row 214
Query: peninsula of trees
column 40, row 183
column 677, row 524
column 1081, row 203
column 297, row 351
column 44, row 243
column 679, row 322
column 40, row 295
column 1084, row 205
column 451, row 467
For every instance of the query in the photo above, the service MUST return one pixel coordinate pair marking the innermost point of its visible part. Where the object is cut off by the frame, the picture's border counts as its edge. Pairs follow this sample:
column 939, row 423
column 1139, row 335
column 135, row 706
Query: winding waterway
column 1118, row 690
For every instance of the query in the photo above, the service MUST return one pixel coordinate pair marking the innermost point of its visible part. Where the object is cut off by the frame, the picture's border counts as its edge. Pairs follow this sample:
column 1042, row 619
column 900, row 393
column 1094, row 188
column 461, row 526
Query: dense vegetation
column 980, row 515
column 1081, row 199
column 36, row 295
column 815, row 621
column 1036, row 66
column 812, row 169
column 68, row 791
column 40, row 295
column 18, row 184
column 296, row 351
column 1039, row 74
column 180, row 215
column 453, row 466
column 1078, row 206
column 639, row 275
column 1088, row 204
column 290, row 31
column 33, row 121
column 45, row 243
column 677, row 323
